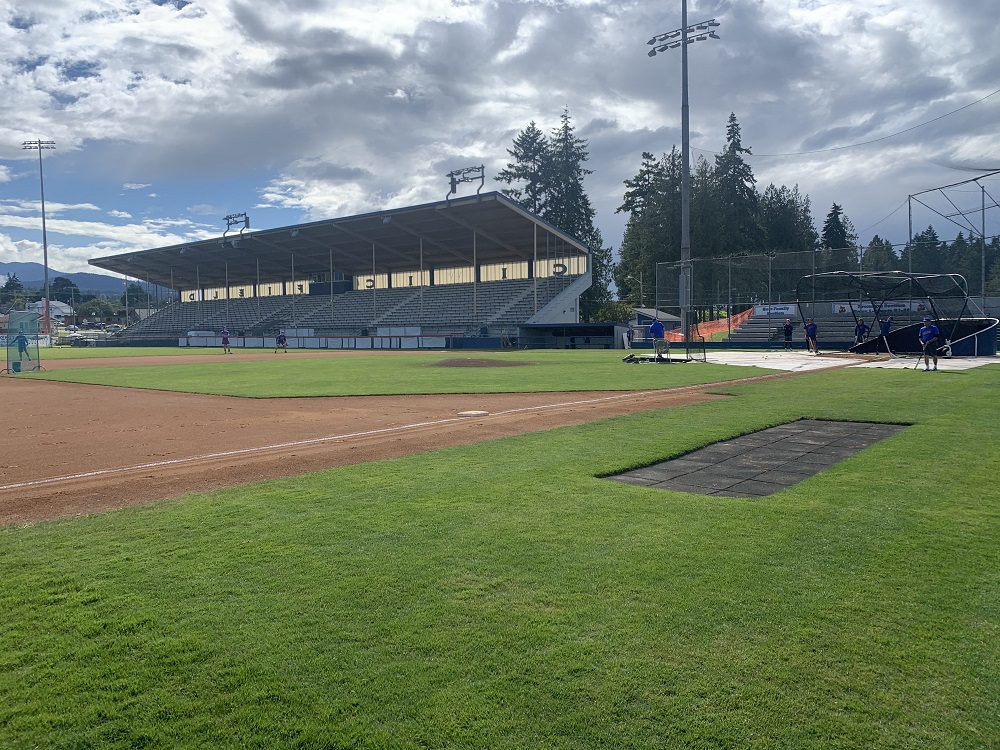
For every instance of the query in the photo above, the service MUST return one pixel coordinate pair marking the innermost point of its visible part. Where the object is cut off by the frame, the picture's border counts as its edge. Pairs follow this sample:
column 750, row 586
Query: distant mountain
column 32, row 275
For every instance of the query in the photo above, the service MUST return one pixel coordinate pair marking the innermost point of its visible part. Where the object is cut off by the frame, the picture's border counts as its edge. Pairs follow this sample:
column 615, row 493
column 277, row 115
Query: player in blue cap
column 929, row 335
column 810, row 330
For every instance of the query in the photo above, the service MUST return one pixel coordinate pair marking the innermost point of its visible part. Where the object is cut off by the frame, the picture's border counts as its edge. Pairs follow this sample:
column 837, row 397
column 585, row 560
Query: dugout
column 571, row 336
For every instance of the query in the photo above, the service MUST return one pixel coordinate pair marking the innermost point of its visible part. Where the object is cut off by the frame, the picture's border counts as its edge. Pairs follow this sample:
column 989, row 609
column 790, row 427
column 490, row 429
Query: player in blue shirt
column 281, row 342
column 225, row 341
column 884, row 327
column 860, row 329
column 22, row 347
column 656, row 333
column 811, row 344
column 929, row 335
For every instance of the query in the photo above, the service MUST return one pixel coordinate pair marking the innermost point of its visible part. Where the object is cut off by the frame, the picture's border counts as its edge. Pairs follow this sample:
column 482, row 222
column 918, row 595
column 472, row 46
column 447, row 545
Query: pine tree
column 598, row 295
column 12, row 291
column 839, row 242
column 879, row 256
column 925, row 254
column 547, row 178
column 529, row 169
column 786, row 218
column 787, row 223
column 964, row 258
column 740, row 218
column 567, row 204
column 652, row 234
column 993, row 278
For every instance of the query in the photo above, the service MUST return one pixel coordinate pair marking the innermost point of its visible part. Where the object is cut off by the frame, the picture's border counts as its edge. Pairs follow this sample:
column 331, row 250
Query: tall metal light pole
column 40, row 146
column 641, row 297
column 698, row 32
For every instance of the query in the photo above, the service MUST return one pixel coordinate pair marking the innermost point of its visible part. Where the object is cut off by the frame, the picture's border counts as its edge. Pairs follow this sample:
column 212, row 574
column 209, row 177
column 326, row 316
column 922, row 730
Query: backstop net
column 738, row 282
column 22, row 342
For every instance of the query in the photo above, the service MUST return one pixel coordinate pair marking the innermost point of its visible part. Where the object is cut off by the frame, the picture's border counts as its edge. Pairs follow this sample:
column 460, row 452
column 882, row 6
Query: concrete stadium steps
column 761, row 329
column 452, row 308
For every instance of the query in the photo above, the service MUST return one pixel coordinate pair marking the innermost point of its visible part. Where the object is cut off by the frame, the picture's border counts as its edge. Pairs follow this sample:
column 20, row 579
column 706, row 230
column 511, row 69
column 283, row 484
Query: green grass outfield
column 107, row 352
column 502, row 596
column 385, row 373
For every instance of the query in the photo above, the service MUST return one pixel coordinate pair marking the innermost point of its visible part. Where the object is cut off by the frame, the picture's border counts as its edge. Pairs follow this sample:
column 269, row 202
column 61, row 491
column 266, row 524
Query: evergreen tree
column 12, row 284
column 652, row 234
column 737, row 192
column 644, row 188
column 993, row 266
column 598, row 295
column 839, row 242
column 528, row 171
column 12, row 291
column 879, row 256
column 786, row 218
column 134, row 296
column 993, row 278
column 548, row 177
column 965, row 258
column 567, row 204
column 65, row 290
column 706, row 208
column 925, row 254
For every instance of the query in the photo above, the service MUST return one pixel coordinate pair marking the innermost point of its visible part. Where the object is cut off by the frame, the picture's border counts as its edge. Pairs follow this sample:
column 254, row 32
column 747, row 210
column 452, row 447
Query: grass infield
column 393, row 373
column 502, row 596
column 114, row 352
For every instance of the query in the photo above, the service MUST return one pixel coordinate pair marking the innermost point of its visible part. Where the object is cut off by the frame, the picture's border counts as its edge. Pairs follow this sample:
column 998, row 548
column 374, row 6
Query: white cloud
column 318, row 108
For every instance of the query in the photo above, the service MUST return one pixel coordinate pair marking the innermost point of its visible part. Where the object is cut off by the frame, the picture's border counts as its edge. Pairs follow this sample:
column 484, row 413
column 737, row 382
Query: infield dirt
column 74, row 449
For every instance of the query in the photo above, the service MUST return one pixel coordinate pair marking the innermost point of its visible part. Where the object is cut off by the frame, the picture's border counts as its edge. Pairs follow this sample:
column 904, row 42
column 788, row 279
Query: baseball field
column 315, row 550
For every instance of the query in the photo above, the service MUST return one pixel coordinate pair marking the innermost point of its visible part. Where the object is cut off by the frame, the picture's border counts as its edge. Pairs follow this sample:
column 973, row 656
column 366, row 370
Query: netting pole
column 982, row 244
column 909, row 253
column 729, row 300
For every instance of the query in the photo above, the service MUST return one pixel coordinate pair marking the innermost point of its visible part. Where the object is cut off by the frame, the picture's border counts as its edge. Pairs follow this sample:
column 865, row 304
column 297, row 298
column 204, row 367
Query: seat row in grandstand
column 453, row 308
column 761, row 328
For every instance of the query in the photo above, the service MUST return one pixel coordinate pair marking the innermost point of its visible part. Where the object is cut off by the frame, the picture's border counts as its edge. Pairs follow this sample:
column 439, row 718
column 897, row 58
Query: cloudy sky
column 168, row 115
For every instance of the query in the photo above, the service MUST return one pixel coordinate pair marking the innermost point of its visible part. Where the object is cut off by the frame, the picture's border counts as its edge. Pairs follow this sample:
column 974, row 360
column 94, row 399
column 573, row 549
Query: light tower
column 40, row 145
column 698, row 32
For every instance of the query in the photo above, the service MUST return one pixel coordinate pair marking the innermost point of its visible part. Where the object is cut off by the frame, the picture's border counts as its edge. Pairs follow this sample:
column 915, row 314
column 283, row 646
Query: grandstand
column 474, row 267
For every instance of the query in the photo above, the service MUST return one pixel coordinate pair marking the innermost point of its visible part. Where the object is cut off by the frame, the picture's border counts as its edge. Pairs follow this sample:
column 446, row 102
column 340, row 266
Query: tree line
column 14, row 296
column 729, row 217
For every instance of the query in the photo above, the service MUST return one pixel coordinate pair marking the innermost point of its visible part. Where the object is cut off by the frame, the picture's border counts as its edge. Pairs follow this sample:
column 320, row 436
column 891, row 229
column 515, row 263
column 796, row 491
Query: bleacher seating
column 761, row 329
column 499, row 306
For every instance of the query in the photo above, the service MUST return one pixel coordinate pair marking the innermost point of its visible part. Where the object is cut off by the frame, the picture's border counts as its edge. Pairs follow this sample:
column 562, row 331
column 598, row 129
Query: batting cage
column 22, row 342
column 889, row 308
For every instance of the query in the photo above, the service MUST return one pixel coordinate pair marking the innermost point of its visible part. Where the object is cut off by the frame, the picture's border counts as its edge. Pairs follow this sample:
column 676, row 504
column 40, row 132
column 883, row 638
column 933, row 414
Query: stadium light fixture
column 466, row 174
column 235, row 220
column 698, row 32
column 40, row 146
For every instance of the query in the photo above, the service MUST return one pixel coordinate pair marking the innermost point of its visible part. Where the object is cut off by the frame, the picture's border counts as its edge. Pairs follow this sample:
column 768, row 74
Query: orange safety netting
column 712, row 326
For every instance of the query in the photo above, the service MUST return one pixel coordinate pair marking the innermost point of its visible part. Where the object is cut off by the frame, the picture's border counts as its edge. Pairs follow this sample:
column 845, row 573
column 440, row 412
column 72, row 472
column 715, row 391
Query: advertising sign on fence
column 785, row 310
column 889, row 306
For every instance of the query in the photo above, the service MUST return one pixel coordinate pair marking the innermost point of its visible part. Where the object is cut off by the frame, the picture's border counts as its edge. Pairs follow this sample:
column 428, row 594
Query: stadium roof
column 489, row 228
